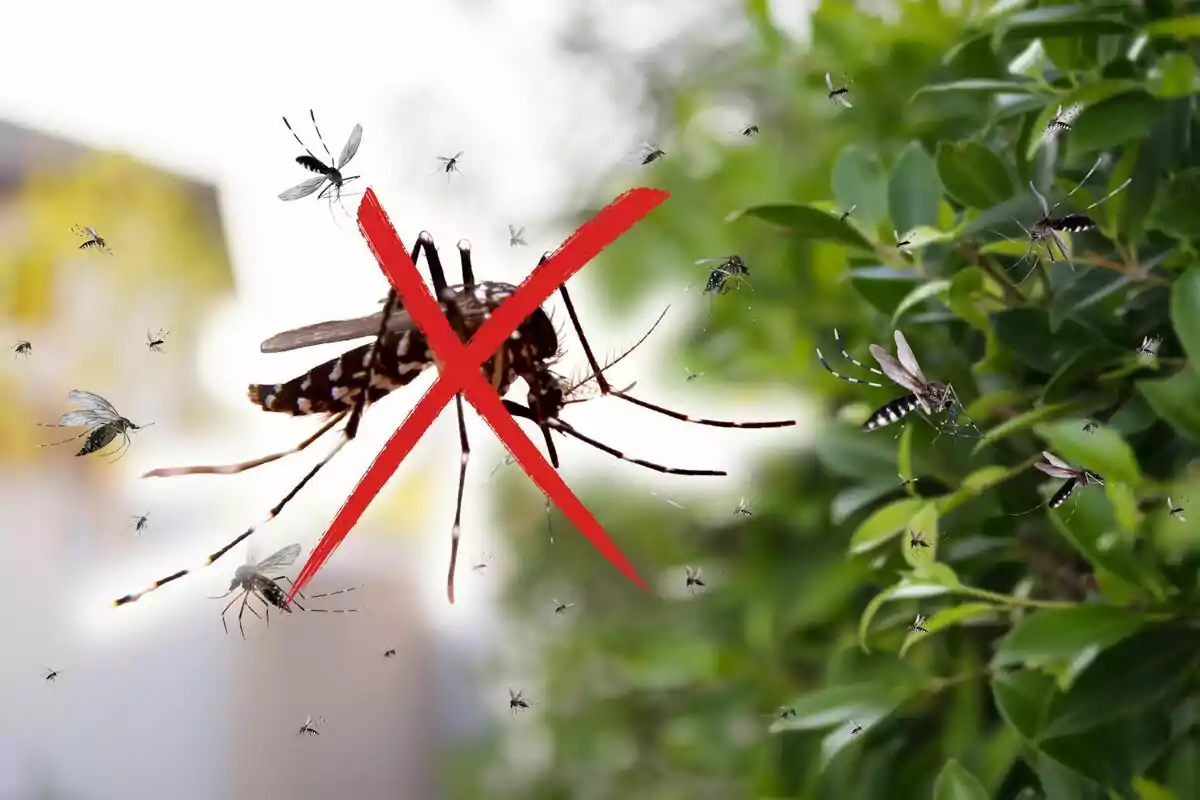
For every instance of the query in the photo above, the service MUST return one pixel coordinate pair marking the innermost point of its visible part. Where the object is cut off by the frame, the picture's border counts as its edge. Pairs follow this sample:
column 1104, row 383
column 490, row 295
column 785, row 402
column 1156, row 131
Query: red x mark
column 461, row 366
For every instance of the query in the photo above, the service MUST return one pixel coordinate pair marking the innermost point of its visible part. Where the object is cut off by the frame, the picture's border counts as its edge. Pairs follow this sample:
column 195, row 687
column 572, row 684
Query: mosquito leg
column 1095, row 166
column 230, row 469
column 242, row 610
column 331, row 594
column 225, row 611
column 297, row 138
column 320, row 138
column 456, row 529
column 828, row 368
column 838, row 339
column 289, row 580
column 64, row 441
column 606, row 388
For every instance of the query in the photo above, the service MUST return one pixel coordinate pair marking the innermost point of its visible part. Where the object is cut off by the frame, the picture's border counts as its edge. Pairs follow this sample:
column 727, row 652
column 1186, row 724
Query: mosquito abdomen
column 98, row 439
column 312, row 164
column 893, row 412
column 1073, row 223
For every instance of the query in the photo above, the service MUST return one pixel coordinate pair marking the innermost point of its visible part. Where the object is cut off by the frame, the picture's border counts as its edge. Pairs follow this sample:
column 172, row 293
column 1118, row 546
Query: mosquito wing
column 83, row 419
column 93, row 402
column 829, row 81
column 281, row 558
column 891, row 367
column 841, row 100
column 1055, row 467
column 351, row 147
column 907, row 359
column 1056, row 461
column 303, row 189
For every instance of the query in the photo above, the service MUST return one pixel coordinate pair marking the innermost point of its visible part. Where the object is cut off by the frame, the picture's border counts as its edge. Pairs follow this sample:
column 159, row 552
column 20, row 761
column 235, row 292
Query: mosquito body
column 742, row 510
column 691, row 376
column 1089, row 427
column 906, row 481
column 649, row 153
column 693, row 579
column 344, row 386
column 750, row 130
column 330, row 173
column 846, row 214
column 1055, row 467
column 561, row 607
column 22, row 348
column 927, row 396
column 918, row 624
column 450, row 164
column 52, row 674
column 785, row 712
column 156, row 341
column 140, row 522
column 1062, row 121
column 1177, row 513
column 917, row 539
column 516, row 236
column 838, row 96
column 517, row 703
column 1149, row 346
column 481, row 564
column 389, row 653
column 104, row 424
column 856, row 730
column 901, row 241
column 93, row 239
column 310, row 726
column 1049, row 229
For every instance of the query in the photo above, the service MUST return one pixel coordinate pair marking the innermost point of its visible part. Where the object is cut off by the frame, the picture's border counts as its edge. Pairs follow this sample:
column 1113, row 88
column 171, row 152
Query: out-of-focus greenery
column 1062, row 646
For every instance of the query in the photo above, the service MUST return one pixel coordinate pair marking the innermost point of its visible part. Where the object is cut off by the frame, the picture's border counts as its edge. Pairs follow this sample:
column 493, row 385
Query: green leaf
column 1057, row 21
column 969, row 299
column 865, row 703
column 1092, row 528
column 1026, row 333
column 924, row 521
column 884, row 524
column 1177, row 77
column 972, row 174
column 1023, row 699
column 955, row 783
column 807, row 221
column 1149, row 790
column 1115, row 121
column 1088, row 94
column 1177, row 207
column 1174, row 400
column 1185, row 312
column 883, row 287
column 1103, row 451
column 982, row 86
column 1060, row 635
column 859, row 180
column 948, row 618
column 919, row 295
column 914, row 190
column 1175, row 27
column 906, row 589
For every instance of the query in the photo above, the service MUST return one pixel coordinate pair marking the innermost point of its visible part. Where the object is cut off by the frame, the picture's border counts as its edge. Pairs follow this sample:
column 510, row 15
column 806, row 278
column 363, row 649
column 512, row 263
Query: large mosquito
column 729, row 273
column 743, row 509
column 331, row 172
column 103, row 422
column 1049, row 228
column 750, row 130
column 22, row 348
column 516, row 236
column 156, row 341
column 450, row 164
column 838, row 96
column 344, row 386
column 1055, row 467
column 917, row 539
column 1062, row 121
column 93, row 239
column 929, row 397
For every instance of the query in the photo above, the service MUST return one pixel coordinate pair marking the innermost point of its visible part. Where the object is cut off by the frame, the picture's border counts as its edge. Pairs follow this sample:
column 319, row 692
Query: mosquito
column 93, row 239
column 927, row 396
column 1177, row 513
column 906, row 481
column 516, row 236
column 1049, row 228
column 1055, row 467
column 847, row 213
column 743, row 510
column 1062, row 121
column 103, row 423
column 838, row 96
column 517, row 703
column 450, row 164
column 1149, row 346
column 693, row 579
column 253, row 580
column 691, row 376
column 52, row 674
column 156, row 341
column 343, row 387
column 917, row 539
column 784, row 712
column 140, row 522
column 856, row 730
column 1089, row 427
column 750, row 130
column 561, row 607
column 22, row 348
column 901, row 241
column 331, row 172
column 918, row 624
column 310, row 726
column 649, row 153
column 389, row 653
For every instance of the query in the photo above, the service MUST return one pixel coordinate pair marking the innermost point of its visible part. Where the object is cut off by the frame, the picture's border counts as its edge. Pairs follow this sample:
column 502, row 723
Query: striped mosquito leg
column 130, row 598
column 64, row 441
column 562, row 426
column 831, row 371
column 838, row 341
column 230, row 469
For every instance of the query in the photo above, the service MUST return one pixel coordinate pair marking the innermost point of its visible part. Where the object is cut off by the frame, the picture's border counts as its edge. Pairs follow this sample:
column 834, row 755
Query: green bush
column 1059, row 660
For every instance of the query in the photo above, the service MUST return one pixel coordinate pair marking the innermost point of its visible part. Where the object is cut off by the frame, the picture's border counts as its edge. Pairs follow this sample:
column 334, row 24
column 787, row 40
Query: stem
column 1011, row 292
column 1011, row 600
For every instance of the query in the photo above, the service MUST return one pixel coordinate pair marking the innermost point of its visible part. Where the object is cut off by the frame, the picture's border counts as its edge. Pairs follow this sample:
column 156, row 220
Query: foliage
column 1060, row 659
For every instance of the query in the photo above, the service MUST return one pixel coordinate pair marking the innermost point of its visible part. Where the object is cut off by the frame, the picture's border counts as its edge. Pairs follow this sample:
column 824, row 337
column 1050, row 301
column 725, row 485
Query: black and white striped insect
column 310, row 726
column 1049, row 229
column 750, row 130
column 846, row 214
column 1149, row 346
column 1055, row 467
column 103, row 422
column 94, row 240
column 918, row 624
column 140, row 521
column 517, row 703
column 22, row 348
column 743, row 510
column 450, row 164
column 389, row 653
column 1062, row 121
column 52, row 674
column 330, row 173
column 343, row 387
column 516, row 237
column 693, row 579
column 649, row 153
column 838, row 96
column 156, row 341
column 917, row 539
column 928, row 397
column 561, row 607
column 1176, row 512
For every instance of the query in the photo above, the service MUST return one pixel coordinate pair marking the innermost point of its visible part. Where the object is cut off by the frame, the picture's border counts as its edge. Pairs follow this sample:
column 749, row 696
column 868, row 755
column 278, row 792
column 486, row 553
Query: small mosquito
column 1049, row 228
column 253, row 580
column 103, row 422
column 729, row 274
column 156, row 341
column 929, row 397
column 450, row 164
column 1062, row 121
column 140, row 522
column 482, row 563
column 750, row 130
column 918, row 624
column 691, row 376
column 917, row 539
column 847, row 213
column 331, row 173
column 93, row 239
column 52, row 674
column 838, row 96
column 516, row 236
column 1055, row 467
column 389, row 653
column 856, row 730
column 1149, row 346
column 906, row 481
column 516, row 703
column 743, row 510
column 785, row 712
column 901, row 241
column 1089, row 427
column 22, row 348
column 561, row 607
column 693, row 579
column 650, row 153
column 310, row 726
column 1177, row 513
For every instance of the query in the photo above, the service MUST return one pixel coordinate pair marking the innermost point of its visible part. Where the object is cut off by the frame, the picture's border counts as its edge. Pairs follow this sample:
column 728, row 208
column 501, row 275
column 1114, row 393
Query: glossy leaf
column 884, row 524
column 972, row 174
column 954, row 782
column 1023, row 699
column 980, row 86
column 914, row 190
column 860, row 182
column 1185, row 311
column 919, row 295
column 1060, row 635
column 865, row 703
column 1177, row 27
column 1174, row 400
column 1115, row 121
column 948, row 618
column 1177, row 208
column 807, row 222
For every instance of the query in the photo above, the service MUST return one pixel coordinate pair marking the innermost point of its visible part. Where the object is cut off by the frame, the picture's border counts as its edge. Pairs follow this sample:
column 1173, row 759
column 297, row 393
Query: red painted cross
column 460, row 370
